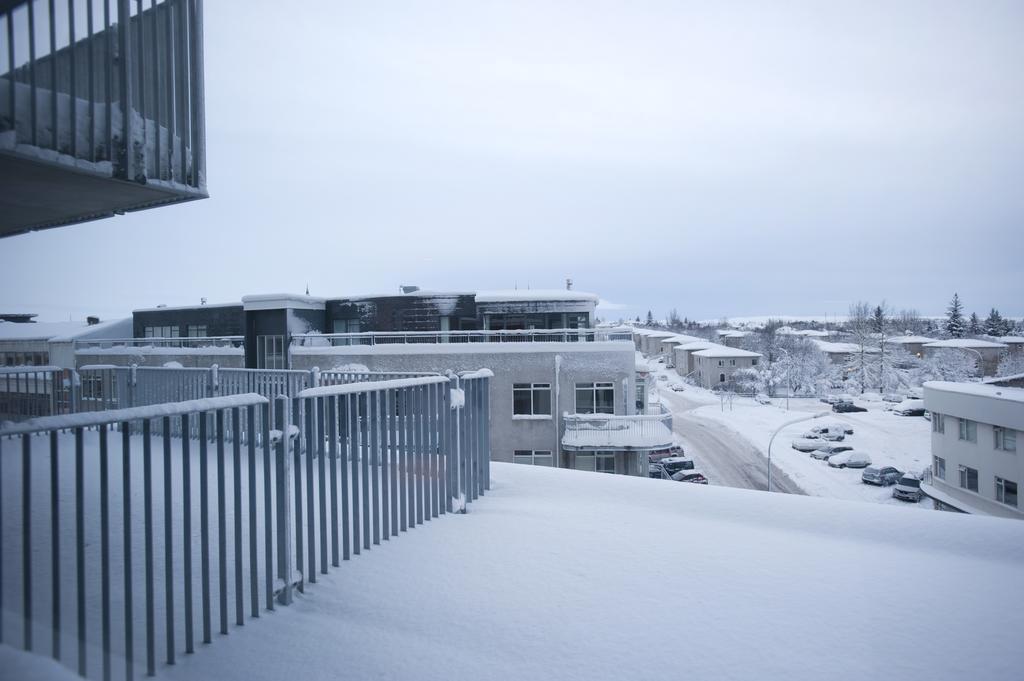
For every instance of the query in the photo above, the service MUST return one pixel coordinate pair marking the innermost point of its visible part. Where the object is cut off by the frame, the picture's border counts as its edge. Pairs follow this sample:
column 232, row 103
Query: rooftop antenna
column 568, row 284
column 202, row 301
column 307, row 288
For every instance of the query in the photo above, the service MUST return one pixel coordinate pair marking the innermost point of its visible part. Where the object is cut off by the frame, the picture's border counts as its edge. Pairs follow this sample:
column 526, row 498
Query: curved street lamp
column 777, row 430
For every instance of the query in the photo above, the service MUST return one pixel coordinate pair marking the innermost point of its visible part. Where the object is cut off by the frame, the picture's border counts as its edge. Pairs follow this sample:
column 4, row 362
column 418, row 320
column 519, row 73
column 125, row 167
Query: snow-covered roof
column 910, row 339
column 724, row 351
column 1010, row 339
column 202, row 306
column 964, row 343
column 732, row 333
column 997, row 392
column 62, row 331
column 790, row 331
column 510, row 295
column 697, row 345
column 681, row 338
column 274, row 301
column 841, row 348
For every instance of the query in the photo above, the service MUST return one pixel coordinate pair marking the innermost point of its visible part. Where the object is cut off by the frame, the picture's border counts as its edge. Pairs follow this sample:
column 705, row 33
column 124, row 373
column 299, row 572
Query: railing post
column 133, row 375
column 214, row 387
column 285, row 528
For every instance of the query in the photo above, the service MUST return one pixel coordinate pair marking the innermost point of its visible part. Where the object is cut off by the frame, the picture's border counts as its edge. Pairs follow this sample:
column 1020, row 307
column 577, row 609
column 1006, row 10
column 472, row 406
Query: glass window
column 721, row 378
column 939, row 467
column 605, row 462
column 969, row 478
column 753, row 362
column 968, row 430
column 585, row 461
column 270, row 352
column 532, row 399
column 197, row 331
column 938, row 423
column 595, row 398
column 1005, row 438
column 539, row 457
column 1006, row 492
column 161, row 332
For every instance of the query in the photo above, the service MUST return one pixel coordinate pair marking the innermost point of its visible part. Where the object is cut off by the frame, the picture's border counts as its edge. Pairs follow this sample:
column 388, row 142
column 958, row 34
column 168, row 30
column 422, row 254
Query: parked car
column 827, row 433
column 833, row 426
column 761, row 398
column 659, row 455
column 892, row 397
column 678, row 387
column 657, row 471
column 915, row 394
column 690, row 476
column 804, row 444
column 909, row 408
column 826, row 449
column 908, row 488
column 849, row 459
column 846, row 407
column 674, row 464
column 832, row 399
column 883, row 476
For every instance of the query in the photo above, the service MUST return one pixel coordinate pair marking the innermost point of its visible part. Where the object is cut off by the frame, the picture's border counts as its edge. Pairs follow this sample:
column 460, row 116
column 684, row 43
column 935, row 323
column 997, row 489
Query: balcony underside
column 37, row 194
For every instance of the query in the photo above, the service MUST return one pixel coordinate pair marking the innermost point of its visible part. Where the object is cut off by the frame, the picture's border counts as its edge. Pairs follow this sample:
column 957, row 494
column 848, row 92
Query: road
column 726, row 457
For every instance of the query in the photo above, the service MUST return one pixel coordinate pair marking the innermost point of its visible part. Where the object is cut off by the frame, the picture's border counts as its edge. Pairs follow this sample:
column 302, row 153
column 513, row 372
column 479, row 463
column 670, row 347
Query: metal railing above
column 140, row 343
column 313, row 341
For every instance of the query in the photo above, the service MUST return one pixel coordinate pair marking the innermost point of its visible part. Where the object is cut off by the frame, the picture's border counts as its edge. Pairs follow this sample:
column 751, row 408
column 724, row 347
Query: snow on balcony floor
column 618, row 435
column 560, row 574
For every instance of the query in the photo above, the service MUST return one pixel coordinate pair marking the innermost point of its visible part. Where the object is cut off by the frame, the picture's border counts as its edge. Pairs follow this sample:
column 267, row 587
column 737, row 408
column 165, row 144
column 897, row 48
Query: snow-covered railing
column 617, row 432
column 185, row 536
column 33, row 391
column 410, row 337
column 114, row 88
column 110, row 345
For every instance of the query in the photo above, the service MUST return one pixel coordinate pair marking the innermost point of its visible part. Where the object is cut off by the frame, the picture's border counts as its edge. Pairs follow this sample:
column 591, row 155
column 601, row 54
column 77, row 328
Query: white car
column 842, row 427
column 849, row 459
column 831, row 434
column 804, row 444
column 909, row 408
column 826, row 449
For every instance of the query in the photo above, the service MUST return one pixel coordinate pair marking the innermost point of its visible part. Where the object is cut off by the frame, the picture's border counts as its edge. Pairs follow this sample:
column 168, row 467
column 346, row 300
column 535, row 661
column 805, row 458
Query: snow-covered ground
column 560, row 574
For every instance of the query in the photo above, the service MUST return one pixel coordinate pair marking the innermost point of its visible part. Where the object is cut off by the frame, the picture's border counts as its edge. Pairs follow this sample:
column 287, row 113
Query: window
column 197, row 331
column 1005, row 438
column 721, row 378
column 732, row 362
column 753, row 362
column 939, row 467
column 968, row 430
column 531, row 399
column 938, row 423
column 721, row 362
column 270, row 352
column 969, row 478
column 595, row 398
column 533, row 457
column 600, row 462
column 1006, row 492
column 161, row 332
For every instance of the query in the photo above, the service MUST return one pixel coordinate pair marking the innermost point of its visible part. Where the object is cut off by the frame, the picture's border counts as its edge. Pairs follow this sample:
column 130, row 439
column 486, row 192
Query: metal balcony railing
column 616, row 432
column 182, row 342
column 478, row 336
column 108, row 88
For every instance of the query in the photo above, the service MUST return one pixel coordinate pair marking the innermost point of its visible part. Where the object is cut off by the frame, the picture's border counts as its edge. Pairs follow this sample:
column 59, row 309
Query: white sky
column 722, row 158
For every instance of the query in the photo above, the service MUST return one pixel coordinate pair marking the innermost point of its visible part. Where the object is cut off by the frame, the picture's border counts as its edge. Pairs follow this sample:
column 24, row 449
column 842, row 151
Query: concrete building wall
column 710, row 369
column 560, row 364
column 987, row 412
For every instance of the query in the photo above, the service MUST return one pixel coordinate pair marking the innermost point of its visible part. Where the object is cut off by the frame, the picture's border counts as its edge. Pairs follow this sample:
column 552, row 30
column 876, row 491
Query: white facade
column 977, row 447
column 716, row 365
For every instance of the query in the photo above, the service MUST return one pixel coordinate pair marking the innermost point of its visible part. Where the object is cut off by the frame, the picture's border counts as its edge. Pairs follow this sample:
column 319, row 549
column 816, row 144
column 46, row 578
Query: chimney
column 568, row 284
column 410, row 289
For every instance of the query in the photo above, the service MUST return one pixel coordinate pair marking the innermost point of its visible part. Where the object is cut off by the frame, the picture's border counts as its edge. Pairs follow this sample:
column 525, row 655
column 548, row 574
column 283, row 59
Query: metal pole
column 778, row 430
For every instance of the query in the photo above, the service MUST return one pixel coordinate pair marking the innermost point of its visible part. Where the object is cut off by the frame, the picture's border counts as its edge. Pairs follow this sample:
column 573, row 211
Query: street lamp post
column 778, row 430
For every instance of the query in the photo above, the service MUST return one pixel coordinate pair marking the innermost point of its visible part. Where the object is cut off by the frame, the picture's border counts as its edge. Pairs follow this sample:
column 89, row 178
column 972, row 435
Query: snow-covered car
column 690, row 476
column 892, row 397
column 657, row 471
column 826, row 449
column 833, row 426
column 882, row 476
column 661, row 454
column 761, row 398
column 915, row 394
column 909, row 408
column 849, row 459
column 846, row 408
column 908, row 488
column 678, row 387
column 804, row 444
column 828, row 433
column 832, row 399
column 674, row 464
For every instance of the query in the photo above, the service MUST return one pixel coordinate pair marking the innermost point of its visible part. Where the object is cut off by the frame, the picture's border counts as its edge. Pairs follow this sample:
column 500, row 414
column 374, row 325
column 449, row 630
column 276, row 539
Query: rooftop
column 534, row 294
column 724, row 351
column 567, row 570
column 964, row 343
column 910, row 339
column 61, row 331
column 995, row 392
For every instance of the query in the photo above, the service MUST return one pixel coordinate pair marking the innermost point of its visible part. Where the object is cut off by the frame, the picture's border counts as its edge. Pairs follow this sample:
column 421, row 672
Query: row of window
column 534, row 399
column 599, row 462
column 1005, row 490
column 1004, row 439
column 24, row 359
column 192, row 331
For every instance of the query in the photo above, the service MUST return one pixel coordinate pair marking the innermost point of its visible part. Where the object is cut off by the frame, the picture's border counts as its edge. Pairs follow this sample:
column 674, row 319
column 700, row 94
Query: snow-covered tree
column 974, row 325
column 948, row 364
column 766, row 342
column 804, row 366
column 955, row 325
column 650, row 318
column 909, row 321
column 878, row 319
column 674, row 322
column 1011, row 364
column 995, row 325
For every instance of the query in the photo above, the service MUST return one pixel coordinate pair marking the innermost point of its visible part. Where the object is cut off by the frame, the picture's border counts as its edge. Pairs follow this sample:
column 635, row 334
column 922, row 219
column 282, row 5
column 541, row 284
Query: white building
column 53, row 343
column 716, row 365
column 977, row 457
column 987, row 353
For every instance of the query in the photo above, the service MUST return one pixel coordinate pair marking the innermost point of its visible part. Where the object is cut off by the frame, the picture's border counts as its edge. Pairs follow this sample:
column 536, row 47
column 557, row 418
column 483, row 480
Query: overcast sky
column 722, row 158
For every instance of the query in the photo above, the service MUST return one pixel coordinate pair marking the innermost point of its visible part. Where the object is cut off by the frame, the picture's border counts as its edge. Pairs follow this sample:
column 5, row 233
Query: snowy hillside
column 560, row 574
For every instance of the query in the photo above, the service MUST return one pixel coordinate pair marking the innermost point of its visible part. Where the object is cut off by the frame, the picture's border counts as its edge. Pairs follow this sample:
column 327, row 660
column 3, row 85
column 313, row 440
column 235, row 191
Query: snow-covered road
column 725, row 456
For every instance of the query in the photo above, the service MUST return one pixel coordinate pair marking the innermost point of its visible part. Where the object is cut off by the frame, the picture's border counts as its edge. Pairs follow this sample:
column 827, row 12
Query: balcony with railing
column 613, row 432
column 372, row 338
column 101, row 109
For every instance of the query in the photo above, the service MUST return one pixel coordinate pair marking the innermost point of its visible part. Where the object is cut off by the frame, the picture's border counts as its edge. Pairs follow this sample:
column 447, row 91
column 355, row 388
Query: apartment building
column 563, row 394
column 28, row 343
column 977, row 441
column 716, row 365
column 99, row 115
column 986, row 353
